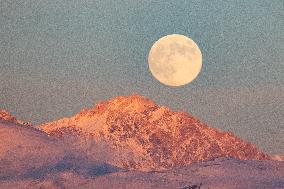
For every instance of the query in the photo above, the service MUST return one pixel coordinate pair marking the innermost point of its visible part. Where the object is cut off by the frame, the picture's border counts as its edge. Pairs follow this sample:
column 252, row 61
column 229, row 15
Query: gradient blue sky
column 57, row 57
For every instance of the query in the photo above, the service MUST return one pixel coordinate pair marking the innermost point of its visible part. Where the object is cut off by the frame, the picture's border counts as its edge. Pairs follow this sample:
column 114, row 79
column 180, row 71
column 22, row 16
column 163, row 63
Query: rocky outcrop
column 7, row 117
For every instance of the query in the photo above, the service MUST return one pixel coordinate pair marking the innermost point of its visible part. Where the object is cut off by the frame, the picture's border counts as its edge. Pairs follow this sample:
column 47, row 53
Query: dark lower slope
column 224, row 173
column 26, row 152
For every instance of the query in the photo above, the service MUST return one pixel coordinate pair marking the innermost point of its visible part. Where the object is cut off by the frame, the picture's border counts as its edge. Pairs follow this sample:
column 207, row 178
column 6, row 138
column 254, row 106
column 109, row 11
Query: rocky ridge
column 7, row 117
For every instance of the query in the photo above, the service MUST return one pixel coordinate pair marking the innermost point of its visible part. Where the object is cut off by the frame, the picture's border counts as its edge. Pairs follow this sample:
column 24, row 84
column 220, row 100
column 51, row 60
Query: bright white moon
column 175, row 60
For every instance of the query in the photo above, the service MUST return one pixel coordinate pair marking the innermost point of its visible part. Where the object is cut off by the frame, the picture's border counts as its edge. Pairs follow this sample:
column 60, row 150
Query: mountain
column 134, row 133
column 138, row 134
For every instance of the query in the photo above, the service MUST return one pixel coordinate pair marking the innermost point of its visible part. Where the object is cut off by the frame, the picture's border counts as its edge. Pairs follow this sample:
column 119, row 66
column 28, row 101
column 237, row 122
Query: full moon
column 175, row 60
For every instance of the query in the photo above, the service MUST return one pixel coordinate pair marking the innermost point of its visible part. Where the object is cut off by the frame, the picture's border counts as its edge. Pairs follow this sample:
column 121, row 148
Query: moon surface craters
column 175, row 60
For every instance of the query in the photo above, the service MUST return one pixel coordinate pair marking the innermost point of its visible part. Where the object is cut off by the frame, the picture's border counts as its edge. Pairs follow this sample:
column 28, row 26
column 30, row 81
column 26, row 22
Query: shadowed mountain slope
column 222, row 173
column 25, row 151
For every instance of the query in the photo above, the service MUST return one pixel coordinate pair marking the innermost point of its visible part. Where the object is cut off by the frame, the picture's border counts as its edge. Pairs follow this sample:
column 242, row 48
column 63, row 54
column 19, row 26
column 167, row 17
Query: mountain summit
column 145, row 136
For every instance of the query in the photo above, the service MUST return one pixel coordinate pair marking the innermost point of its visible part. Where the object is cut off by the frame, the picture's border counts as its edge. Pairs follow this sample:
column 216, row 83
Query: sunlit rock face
column 7, row 117
column 144, row 136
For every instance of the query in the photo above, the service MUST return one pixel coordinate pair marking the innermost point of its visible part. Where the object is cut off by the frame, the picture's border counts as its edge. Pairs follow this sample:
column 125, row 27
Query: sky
column 57, row 57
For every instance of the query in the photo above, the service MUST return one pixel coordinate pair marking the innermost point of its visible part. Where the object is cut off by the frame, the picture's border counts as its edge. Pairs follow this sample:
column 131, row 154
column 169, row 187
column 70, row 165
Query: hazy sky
column 57, row 57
